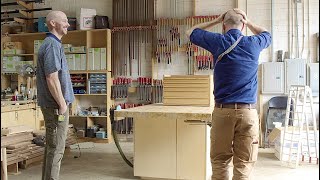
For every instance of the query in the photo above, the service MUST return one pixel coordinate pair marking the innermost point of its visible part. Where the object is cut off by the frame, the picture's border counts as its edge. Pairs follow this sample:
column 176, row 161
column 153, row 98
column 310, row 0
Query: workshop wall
column 70, row 7
column 284, row 25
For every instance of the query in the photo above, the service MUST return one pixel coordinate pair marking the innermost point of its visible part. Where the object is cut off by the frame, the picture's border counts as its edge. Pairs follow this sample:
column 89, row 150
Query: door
column 155, row 146
column 8, row 119
column 273, row 77
column 295, row 73
column 193, row 150
column 26, row 117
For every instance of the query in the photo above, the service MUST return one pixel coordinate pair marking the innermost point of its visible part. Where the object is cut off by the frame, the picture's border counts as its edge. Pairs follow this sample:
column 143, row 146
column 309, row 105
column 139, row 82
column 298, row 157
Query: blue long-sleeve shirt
column 235, row 75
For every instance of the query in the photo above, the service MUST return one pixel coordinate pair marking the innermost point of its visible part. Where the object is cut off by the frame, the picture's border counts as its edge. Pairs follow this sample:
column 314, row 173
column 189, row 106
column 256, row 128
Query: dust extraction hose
column 115, row 138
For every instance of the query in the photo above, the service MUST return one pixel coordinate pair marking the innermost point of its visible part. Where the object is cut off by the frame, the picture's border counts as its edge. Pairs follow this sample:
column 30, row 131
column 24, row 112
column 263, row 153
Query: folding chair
column 276, row 112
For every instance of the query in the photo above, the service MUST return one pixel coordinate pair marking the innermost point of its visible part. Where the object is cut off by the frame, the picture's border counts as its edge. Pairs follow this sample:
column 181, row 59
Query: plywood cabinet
column 8, row 118
column 26, row 117
column 193, row 150
column 171, row 142
column 23, row 116
column 39, row 118
column 155, row 148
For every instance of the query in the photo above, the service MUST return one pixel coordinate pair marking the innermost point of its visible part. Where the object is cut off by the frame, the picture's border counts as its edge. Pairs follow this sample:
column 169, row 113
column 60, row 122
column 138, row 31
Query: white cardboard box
column 276, row 136
column 91, row 58
column 97, row 59
column 71, row 62
column 85, row 18
column 77, row 62
column 83, row 62
column 103, row 58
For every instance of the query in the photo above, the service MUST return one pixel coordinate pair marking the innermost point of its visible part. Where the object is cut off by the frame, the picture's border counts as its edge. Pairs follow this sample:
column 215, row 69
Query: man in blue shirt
column 55, row 93
column 235, row 121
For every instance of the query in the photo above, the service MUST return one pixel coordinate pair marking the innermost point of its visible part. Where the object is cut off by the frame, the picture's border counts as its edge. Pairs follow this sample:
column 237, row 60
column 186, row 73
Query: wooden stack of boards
column 20, row 149
column 188, row 90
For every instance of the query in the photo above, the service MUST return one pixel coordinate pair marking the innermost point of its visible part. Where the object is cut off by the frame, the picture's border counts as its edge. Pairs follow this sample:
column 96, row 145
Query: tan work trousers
column 234, row 133
column 56, row 135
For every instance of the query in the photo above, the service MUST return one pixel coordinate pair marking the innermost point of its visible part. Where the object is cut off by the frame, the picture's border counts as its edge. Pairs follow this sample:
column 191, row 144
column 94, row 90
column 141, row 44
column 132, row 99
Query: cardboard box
column 91, row 58
column 77, row 62
column 36, row 45
column 9, row 64
column 13, row 51
column 78, row 49
column 71, row 61
column 12, row 45
column 85, row 18
column 83, row 62
column 103, row 58
column 97, row 59
column 277, row 134
column 67, row 48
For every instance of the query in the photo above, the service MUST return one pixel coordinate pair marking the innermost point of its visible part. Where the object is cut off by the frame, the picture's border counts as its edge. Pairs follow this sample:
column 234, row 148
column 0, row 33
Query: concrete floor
column 103, row 162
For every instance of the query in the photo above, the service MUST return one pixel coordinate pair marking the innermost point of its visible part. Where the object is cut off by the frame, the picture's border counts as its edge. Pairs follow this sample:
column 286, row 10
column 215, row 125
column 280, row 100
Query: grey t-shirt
column 51, row 58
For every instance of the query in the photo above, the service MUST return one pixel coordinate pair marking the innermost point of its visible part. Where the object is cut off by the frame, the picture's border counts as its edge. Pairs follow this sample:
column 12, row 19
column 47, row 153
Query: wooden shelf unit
column 100, row 38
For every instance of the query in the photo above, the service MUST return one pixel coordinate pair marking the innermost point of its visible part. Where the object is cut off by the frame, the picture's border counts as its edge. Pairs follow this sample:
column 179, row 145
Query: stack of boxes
column 97, row 58
column 77, row 58
column 76, row 61
column 12, row 58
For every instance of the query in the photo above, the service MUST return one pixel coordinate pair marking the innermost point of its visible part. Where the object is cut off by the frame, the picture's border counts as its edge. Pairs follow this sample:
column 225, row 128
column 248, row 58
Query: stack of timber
column 71, row 135
column 20, row 148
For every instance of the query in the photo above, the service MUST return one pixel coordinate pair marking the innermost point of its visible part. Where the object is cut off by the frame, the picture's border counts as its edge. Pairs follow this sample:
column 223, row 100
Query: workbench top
column 161, row 111
column 7, row 106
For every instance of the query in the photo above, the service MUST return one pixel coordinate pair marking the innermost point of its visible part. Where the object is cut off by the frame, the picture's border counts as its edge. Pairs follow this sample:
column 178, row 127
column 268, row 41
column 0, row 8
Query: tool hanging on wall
column 120, row 86
column 157, row 91
column 144, row 89
column 132, row 35
column 170, row 39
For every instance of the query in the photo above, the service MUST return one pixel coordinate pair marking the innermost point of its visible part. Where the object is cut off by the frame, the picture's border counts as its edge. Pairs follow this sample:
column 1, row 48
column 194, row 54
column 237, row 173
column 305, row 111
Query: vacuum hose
column 115, row 138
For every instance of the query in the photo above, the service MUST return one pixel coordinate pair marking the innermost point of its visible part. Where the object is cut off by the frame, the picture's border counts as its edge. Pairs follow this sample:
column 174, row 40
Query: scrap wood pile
column 40, row 136
column 71, row 136
column 23, row 143
column 18, row 141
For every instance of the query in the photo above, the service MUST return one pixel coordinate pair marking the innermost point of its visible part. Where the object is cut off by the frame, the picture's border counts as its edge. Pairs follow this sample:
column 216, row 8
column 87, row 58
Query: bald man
column 55, row 93
column 235, row 121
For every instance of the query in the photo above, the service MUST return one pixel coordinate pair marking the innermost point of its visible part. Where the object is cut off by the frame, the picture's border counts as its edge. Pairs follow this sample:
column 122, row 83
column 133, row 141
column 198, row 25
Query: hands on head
column 243, row 14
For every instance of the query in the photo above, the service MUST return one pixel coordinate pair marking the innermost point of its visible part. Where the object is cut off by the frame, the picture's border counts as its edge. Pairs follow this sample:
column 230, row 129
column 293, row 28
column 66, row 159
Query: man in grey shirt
column 55, row 93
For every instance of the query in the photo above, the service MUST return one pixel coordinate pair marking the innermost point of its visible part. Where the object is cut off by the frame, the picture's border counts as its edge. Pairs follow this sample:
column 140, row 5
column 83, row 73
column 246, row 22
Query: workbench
column 15, row 113
column 171, row 142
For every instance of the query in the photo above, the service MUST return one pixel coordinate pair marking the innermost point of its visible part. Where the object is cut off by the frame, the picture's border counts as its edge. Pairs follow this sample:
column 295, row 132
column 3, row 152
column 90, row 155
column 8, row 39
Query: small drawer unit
column 97, row 83
column 79, row 83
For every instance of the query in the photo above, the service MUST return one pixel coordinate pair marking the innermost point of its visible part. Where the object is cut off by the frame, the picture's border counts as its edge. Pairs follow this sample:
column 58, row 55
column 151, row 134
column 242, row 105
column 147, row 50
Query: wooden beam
column 24, row 4
column 24, row 13
column 19, row 20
